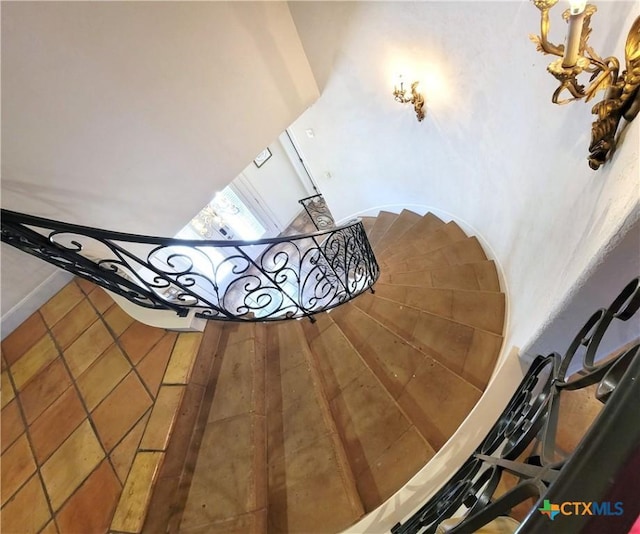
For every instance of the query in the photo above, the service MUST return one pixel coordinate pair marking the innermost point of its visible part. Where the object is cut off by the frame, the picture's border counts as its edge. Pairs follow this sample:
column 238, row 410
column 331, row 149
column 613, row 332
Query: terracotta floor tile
column 117, row 319
column 69, row 328
column 17, row 466
column 45, row 388
column 163, row 416
column 105, row 373
column 6, row 389
column 120, row 410
column 71, row 464
column 11, row 425
column 86, row 349
column 91, row 507
column 28, row 511
column 23, row 338
column 132, row 508
column 85, row 285
column 35, row 359
column 138, row 340
column 182, row 358
column 59, row 305
column 56, row 424
column 50, row 528
column 101, row 300
column 153, row 366
column 123, row 454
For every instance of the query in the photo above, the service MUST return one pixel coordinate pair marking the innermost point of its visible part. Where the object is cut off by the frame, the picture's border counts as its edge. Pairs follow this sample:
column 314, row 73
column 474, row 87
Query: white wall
column 276, row 186
column 493, row 150
column 130, row 115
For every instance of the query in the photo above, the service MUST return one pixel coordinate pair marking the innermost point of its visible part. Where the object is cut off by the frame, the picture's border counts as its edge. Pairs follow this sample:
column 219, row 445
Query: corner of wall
column 15, row 316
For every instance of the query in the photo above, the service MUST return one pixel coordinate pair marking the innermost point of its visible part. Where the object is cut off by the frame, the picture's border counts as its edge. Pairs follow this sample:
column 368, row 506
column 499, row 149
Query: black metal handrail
column 318, row 211
column 523, row 443
column 268, row 279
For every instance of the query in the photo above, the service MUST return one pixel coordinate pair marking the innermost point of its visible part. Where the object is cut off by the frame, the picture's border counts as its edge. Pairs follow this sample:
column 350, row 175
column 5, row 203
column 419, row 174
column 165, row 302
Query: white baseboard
column 13, row 318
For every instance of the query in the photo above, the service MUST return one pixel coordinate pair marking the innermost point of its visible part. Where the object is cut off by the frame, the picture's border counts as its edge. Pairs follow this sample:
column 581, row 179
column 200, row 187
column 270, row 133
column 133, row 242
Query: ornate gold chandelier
column 622, row 98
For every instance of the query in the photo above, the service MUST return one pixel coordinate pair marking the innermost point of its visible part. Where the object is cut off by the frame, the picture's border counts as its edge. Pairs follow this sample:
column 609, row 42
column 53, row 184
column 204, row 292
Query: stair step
column 229, row 484
column 480, row 276
column 467, row 351
column 404, row 222
column 368, row 223
column 426, row 225
column 307, row 463
column 417, row 245
column 467, row 250
column 383, row 221
column 435, row 398
column 384, row 449
column 479, row 309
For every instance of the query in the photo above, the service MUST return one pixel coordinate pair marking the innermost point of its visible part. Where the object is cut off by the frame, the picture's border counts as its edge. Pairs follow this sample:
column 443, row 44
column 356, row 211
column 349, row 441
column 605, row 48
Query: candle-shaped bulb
column 572, row 44
column 577, row 6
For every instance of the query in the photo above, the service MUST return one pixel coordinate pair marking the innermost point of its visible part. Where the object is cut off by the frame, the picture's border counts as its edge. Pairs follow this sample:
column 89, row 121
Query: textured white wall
column 130, row 115
column 493, row 150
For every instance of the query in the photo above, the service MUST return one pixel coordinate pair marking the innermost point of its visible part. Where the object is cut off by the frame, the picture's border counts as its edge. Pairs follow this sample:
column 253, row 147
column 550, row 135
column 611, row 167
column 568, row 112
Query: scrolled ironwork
column 269, row 279
column 318, row 211
column 523, row 440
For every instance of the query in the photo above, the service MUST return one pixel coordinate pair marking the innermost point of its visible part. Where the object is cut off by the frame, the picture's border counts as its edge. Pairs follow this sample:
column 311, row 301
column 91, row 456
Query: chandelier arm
column 545, row 45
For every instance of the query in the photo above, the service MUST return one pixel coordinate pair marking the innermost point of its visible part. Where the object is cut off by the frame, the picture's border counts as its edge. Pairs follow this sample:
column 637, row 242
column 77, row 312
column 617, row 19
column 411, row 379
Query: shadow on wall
column 322, row 33
column 619, row 266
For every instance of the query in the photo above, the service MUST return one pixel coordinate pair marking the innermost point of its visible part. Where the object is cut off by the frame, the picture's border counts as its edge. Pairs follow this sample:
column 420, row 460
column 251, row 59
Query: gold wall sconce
column 621, row 99
column 399, row 94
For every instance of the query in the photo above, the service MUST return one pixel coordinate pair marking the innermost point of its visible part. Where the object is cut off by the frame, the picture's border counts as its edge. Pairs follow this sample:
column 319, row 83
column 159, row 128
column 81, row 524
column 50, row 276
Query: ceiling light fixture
column 399, row 94
column 621, row 99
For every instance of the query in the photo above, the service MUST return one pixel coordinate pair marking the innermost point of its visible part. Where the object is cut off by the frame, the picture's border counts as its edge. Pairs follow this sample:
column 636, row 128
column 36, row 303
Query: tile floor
column 89, row 399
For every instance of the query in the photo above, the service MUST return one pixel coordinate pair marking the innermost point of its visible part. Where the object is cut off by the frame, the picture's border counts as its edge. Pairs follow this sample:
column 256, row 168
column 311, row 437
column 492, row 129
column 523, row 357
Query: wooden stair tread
column 305, row 455
column 384, row 449
column 466, row 250
column 346, row 410
column 383, row 221
column 230, row 477
column 467, row 351
column 480, row 309
column 403, row 369
column 480, row 275
column 403, row 223
column 418, row 244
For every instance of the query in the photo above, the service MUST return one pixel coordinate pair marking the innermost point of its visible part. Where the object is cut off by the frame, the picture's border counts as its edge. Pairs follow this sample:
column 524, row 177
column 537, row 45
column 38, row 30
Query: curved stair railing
column 593, row 489
column 318, row 211
column 268, row 279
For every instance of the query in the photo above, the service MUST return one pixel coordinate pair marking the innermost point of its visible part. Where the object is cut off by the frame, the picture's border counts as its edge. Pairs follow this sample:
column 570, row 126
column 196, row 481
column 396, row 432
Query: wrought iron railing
column 269, row 279
column 599, row 476
column 318, row 211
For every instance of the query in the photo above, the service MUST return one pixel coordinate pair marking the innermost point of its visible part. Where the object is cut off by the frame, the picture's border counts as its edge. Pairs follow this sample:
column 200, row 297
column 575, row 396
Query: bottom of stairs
column 306, row 427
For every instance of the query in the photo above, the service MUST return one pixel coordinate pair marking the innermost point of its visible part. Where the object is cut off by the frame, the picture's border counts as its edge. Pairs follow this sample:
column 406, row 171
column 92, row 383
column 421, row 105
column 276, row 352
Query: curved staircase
column 307, row 426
